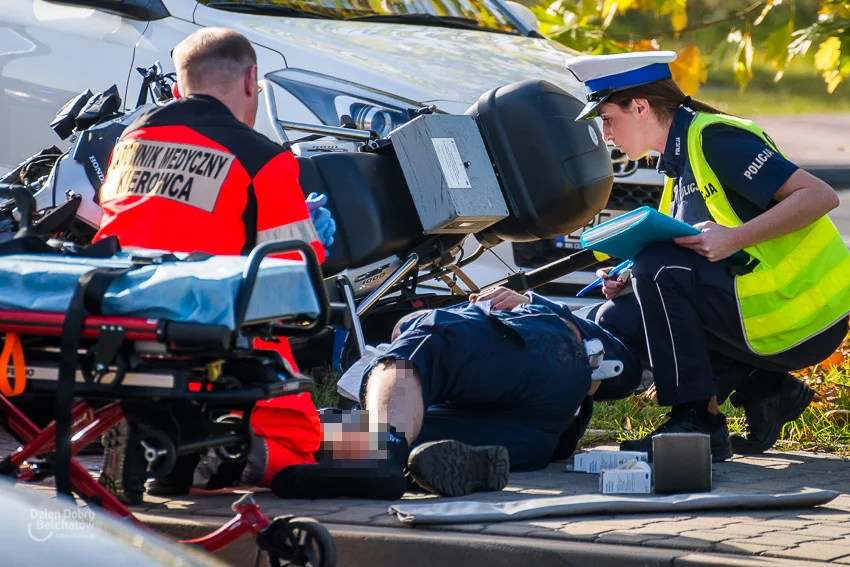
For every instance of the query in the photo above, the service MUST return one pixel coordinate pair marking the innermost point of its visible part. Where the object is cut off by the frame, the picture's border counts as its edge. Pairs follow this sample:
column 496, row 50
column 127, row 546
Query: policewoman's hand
column 715, row 242
column 500, row 298
column 611, row 286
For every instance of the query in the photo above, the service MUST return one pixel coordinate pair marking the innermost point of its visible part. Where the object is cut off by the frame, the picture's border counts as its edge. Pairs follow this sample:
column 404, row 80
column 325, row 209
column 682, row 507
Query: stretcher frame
column 285, row 538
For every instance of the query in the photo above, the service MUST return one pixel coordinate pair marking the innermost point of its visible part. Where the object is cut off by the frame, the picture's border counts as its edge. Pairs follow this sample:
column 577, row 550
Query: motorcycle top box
column 555, row 172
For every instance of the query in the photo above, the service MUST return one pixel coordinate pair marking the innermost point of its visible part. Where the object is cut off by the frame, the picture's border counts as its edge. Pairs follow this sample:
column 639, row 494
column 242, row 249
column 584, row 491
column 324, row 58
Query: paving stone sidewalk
column 821, row 534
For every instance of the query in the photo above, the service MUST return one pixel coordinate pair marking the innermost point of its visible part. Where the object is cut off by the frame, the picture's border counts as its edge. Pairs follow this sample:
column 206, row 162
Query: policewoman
column 714, row 325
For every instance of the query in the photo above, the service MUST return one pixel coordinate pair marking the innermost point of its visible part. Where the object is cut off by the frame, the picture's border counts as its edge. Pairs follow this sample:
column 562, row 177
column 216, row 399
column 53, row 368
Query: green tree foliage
column 709, row 33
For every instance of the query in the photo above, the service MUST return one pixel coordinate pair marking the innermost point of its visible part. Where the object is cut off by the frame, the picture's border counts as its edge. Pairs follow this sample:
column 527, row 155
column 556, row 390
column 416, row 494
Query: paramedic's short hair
column 213, row 57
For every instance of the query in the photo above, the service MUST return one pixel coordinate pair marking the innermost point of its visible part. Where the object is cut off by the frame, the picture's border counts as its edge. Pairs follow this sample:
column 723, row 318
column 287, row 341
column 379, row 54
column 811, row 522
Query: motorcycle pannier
column 369, row 199
column 556, row 173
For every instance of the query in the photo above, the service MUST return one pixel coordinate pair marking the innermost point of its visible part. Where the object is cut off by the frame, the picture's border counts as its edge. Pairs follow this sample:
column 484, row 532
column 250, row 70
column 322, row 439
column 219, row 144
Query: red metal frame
column 88, row 425
column 50, row 324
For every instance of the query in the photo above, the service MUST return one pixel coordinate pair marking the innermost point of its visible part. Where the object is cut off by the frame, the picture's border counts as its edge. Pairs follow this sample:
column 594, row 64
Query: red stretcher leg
column 38, row 442
column 45, row 440
column 248, row 520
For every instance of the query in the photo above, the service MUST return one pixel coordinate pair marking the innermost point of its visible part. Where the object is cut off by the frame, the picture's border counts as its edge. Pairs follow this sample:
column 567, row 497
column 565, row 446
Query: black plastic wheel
column 159, row 452
column 298, row 542
column 234, row 453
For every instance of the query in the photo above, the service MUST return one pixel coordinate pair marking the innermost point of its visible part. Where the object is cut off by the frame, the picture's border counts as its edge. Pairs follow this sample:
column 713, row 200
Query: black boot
column 452, row 468
column 689, row 420
column 773, row 400
column 375, row 480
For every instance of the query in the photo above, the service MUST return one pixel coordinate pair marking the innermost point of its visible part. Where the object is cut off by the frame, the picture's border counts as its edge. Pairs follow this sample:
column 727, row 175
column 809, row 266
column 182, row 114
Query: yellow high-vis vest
column 801, row 284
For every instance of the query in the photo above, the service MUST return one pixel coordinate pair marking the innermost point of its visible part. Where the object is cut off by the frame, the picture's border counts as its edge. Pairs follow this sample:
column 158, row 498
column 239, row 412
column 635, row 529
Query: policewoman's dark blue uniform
column 513, row 378
column 692, row 362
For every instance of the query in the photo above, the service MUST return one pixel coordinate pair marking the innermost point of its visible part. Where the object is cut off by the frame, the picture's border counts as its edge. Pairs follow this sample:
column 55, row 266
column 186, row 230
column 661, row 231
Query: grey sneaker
column 452, row 468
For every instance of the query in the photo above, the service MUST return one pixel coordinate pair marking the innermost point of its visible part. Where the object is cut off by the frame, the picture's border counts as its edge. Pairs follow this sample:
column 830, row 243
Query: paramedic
column 194, row 175
column 712, row 324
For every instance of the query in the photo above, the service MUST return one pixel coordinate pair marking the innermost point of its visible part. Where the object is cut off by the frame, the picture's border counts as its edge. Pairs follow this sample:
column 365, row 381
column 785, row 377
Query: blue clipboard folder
column 626, row 235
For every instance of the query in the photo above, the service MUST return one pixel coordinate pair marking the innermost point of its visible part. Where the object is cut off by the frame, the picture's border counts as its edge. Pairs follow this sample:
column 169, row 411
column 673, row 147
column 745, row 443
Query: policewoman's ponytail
column 664, row 97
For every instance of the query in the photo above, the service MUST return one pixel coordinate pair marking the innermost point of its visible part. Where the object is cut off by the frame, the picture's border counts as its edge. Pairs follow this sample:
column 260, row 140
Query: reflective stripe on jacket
column 801, row 283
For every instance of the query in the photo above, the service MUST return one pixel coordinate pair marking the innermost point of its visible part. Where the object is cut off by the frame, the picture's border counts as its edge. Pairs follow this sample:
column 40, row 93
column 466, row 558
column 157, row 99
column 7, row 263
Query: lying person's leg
column 394, row 395
column 453, row 464
column 519, row 381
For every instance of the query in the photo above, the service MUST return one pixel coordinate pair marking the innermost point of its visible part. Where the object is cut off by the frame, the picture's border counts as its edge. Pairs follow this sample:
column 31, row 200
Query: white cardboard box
column 625, row 482
column 596, row 461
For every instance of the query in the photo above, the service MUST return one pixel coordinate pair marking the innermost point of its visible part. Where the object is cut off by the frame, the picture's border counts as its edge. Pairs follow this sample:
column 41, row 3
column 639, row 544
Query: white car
column 324, row 59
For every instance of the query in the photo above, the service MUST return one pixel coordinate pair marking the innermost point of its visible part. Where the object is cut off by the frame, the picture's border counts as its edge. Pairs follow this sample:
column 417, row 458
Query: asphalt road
column 818, row 143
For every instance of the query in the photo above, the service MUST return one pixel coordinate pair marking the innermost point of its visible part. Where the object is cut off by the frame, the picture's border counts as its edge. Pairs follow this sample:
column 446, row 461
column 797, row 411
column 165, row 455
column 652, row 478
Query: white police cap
column 603, row 75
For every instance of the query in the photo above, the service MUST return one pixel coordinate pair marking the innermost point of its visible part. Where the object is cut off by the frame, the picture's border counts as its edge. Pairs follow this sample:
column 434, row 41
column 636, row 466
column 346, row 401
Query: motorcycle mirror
column 63, row 123
column 414, row 112
column 100, row 105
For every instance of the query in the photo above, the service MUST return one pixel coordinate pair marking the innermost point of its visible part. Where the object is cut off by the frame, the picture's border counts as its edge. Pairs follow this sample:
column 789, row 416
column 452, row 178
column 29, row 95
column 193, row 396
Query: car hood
column 424, row 64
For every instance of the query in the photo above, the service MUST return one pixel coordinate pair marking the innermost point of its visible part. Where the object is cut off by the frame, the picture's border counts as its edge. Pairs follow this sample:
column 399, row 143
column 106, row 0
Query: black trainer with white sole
column 452, row 468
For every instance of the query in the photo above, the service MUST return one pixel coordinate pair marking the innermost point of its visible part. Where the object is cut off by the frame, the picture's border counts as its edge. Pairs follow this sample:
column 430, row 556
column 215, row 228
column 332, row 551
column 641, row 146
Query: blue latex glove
column 315, row 200
column 322, row 219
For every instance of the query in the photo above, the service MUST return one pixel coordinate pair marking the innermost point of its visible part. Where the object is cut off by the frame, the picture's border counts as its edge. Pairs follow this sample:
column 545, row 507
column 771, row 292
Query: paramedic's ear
column 175, row 91
column 250, row 82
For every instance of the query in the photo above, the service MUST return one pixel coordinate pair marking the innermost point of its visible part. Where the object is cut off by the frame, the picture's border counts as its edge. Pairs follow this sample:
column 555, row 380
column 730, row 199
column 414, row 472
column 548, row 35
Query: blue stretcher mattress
column 203, row 292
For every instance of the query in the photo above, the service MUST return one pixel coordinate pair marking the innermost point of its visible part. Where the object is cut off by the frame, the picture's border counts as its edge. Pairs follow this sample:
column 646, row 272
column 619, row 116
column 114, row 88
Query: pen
column 614, row 271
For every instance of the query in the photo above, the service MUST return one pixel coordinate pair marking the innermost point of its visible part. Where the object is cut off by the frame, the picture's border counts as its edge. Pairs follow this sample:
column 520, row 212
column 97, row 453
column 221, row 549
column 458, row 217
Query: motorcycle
column 515, row 167
column 65, row 184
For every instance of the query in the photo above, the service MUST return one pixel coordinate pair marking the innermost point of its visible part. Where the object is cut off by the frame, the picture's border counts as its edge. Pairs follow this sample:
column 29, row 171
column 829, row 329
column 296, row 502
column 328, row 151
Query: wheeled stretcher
column 165, row 343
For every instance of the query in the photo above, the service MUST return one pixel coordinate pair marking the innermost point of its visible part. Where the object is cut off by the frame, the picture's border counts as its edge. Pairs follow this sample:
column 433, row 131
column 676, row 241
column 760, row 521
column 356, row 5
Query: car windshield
column 472, row 14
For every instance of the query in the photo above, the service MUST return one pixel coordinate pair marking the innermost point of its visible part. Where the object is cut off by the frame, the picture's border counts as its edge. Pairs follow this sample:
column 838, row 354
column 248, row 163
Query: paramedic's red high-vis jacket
column 190, row 177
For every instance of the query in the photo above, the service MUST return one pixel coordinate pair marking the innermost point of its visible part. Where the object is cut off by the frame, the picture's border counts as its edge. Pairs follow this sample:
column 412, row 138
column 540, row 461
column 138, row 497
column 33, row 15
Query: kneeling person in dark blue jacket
column 506, row 381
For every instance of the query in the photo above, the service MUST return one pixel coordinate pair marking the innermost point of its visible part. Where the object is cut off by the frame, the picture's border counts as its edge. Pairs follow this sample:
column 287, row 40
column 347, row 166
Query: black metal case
column 555, row 173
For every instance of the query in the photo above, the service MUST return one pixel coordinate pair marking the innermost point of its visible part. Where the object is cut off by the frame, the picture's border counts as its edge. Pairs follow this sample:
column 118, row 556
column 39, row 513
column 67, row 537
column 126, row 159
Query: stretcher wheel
column 233, row 453
column 160, row 454
column 301, row 542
